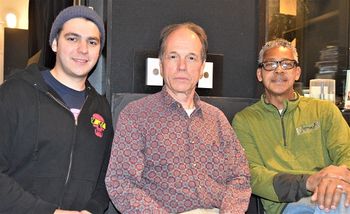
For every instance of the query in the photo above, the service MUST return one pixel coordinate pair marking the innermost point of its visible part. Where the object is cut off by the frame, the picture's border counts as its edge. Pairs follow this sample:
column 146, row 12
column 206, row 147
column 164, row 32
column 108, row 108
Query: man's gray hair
column 277, row 43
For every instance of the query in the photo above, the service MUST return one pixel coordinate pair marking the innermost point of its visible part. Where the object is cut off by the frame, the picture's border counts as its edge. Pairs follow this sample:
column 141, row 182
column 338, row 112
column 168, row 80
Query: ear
column 160, row 67
column 297, row 73
column 259, row 75
column 54, row 45
column 202, row 70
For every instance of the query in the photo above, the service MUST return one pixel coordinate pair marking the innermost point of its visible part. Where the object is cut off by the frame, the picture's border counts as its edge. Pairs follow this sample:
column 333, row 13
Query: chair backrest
column 229, row 105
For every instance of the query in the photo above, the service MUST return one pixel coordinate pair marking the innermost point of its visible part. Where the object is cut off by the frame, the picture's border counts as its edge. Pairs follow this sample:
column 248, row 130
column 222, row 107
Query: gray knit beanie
column 76, row 12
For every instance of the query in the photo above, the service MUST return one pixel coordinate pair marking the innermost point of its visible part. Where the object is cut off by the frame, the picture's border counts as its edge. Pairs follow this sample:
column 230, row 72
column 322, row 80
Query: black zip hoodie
column 49, row 160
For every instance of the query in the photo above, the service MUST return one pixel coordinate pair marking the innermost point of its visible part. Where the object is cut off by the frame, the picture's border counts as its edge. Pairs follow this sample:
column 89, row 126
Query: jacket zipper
column 282, row 124
column 283, row 130
column 72, row 148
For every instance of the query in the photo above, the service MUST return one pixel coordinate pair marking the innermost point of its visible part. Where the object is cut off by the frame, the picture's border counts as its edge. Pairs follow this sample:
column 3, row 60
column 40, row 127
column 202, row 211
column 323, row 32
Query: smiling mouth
column 80, row 60
column 279, row 81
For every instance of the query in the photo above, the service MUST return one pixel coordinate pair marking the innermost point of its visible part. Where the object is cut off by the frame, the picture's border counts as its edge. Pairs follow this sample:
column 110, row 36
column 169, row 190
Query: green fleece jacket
column 283, row 149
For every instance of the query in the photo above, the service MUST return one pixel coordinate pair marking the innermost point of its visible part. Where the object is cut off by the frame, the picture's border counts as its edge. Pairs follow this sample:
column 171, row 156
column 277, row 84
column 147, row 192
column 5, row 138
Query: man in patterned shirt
column 172, row 152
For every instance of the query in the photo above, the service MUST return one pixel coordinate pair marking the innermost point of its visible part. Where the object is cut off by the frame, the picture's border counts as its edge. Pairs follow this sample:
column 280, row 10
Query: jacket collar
column 289, row 105
column 32, row 75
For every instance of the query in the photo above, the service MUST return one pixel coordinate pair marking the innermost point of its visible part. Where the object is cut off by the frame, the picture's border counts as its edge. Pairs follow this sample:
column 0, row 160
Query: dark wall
column 41, row 15
column 15, row 50
column 133, row 30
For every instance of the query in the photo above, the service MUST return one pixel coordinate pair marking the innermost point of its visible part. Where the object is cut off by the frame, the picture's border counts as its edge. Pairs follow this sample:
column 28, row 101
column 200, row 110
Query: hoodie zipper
column 73, row 145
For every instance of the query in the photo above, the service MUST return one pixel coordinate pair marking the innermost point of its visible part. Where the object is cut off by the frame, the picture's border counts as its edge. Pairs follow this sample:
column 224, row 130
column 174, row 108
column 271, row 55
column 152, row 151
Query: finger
column 347, row 201
column 339, row 189
column 314, row 195
column 330, row 193
column 321, row 192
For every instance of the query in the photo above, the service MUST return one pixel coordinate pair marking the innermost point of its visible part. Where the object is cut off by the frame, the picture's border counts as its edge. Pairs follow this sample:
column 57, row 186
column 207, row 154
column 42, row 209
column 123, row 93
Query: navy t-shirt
column 73, row 99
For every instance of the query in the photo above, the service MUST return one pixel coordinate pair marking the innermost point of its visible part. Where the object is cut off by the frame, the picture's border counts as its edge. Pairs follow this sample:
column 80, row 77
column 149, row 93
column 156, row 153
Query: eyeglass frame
column 295, row 64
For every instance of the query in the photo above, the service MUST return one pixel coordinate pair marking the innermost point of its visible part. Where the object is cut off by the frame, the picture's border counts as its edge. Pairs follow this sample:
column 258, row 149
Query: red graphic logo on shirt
column 99, row 123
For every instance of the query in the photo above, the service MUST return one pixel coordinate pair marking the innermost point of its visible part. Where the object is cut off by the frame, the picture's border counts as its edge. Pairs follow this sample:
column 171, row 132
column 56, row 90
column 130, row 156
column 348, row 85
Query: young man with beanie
column 56, row 130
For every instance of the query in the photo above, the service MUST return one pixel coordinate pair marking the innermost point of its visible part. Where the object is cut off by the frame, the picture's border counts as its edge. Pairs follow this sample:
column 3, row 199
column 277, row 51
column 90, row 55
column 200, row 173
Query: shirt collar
column 170, row 102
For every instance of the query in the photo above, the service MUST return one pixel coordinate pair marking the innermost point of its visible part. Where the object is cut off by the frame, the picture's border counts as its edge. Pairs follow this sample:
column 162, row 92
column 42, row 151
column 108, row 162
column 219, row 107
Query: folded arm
column 325, row 184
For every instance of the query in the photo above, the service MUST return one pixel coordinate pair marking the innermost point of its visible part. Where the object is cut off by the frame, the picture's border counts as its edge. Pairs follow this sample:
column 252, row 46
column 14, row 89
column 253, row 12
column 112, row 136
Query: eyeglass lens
column 285, row 65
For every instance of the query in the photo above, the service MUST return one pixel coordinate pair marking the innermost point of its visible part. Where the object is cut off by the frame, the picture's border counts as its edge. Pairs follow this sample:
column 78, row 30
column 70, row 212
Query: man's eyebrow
column 78, row 35
column 94, row 38
column 175, row 52
column 194, row 54
column 72, row 34
column 275, row 59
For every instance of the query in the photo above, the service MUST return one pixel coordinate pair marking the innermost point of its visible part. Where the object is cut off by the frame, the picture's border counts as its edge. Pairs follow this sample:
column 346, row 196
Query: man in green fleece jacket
column 298, row 148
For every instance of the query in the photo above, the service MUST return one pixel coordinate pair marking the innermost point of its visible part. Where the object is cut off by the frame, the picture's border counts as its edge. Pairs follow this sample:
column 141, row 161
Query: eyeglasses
column 286, row 64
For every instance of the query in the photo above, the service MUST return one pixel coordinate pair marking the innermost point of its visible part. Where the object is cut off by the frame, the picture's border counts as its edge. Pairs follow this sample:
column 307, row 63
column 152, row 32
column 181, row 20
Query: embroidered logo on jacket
column 99, row 123
column 308, row 128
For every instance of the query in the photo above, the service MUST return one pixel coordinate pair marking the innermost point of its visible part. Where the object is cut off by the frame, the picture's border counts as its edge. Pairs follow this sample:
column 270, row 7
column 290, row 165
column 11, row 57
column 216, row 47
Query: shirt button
column 194, row 165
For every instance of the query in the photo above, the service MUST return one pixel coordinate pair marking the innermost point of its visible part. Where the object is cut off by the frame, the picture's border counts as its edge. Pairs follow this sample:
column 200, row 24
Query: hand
column 201, row 211
column 339, row 172
column 65, row 212
column 313, row 181
column 325, row 185
column 329, row 192
column 85, row 212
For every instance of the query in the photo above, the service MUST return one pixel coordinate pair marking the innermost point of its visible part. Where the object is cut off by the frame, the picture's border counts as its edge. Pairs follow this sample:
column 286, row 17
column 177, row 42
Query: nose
column 83, row 47
column 279, row 68
column 182, row 64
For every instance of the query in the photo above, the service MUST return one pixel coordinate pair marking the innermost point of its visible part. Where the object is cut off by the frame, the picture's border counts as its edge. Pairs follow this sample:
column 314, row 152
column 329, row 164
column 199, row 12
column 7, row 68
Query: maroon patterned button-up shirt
column 164, row 161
